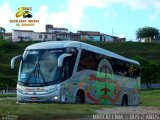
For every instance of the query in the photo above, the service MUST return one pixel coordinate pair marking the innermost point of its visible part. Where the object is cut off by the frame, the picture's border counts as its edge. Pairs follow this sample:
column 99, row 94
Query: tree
column 149, row 71
column 146, row 32
column 2, row 31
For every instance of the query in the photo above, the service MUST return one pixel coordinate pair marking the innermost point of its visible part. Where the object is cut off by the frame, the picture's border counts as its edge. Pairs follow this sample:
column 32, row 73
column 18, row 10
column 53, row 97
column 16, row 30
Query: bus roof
column 64, row 44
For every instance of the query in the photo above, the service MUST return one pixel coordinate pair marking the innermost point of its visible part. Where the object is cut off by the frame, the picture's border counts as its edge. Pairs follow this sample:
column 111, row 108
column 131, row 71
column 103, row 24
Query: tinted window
column 124, row 68
column 68, row 65
column 91, row 60
column 86, row 61
column 97, row 58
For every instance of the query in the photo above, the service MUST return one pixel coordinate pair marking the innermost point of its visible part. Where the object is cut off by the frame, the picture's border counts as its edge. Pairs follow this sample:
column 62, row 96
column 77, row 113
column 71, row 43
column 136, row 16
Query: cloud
column 6, row 15
column 59, row 19
column 73, row 15
column 139, row 4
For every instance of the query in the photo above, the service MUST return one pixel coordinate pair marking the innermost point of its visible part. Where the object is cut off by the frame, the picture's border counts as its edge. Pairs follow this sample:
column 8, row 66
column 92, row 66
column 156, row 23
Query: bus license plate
column 34, row 98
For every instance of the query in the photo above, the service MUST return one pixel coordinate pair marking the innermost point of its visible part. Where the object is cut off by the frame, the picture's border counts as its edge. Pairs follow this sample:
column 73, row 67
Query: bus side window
column 68, row 66
column 118, row 67
column 97, row 59
column 127, row 65
column 86, row 61
column 134, row 71
column 137, row 71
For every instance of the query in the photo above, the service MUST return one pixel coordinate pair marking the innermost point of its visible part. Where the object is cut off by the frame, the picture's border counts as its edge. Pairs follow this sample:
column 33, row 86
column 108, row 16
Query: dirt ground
column 126, row 113
column 130, row 110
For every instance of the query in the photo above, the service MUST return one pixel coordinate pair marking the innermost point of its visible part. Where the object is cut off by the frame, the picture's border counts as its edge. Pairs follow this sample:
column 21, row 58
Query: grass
column 150, row 98
column 47, row 111
column 33, row 111
column 149, row 89
column 7, row 95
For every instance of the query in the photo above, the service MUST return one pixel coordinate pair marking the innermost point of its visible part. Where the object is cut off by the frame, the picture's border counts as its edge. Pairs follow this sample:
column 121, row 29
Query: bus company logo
column 132, row 68
column 24, row 12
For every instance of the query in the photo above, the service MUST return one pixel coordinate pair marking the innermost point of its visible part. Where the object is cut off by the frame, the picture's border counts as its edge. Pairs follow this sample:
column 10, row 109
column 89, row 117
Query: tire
column 80, row 98
column 124, row 101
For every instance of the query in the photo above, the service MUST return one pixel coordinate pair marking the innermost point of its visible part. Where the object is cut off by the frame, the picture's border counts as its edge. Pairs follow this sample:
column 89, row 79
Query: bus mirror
column 61, row 58
column 14, row 59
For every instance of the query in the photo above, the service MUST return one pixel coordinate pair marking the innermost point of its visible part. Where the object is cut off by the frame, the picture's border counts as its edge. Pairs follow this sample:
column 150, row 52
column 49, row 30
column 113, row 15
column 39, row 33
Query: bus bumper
column 52, row 97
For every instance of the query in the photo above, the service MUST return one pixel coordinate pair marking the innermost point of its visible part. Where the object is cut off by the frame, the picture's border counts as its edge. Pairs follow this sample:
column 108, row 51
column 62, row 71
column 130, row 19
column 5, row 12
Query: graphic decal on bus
column 102, row 86
column 76, row 73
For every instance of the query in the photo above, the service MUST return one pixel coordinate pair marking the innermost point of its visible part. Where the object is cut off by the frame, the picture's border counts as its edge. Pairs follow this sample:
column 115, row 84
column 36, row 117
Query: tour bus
column 76, row 72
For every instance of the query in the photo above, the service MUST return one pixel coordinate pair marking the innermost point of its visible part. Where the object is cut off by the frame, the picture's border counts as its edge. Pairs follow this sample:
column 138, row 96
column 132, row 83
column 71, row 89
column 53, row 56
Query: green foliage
column 146, row 32
column 149, row 58
column 7, row 47
column 47, row 111
column 2, row 31
column 7, row 81
column 149, row 70
column 150, row 98
column 6, row 70
column 7, row 95
column 67, row 111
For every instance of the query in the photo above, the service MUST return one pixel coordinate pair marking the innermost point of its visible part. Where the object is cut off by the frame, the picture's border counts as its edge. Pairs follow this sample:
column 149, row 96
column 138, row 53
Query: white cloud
column 73, row 16
column 6, row 14
column 46, row 17
column 139, row 4
column 76, row 10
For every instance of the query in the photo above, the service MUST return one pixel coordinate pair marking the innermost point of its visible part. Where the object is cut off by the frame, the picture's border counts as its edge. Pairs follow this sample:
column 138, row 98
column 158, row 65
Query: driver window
column 68, row 65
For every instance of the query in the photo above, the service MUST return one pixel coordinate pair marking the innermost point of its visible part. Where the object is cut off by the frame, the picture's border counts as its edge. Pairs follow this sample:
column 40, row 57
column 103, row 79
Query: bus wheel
column 80, row 98
column 124, row 101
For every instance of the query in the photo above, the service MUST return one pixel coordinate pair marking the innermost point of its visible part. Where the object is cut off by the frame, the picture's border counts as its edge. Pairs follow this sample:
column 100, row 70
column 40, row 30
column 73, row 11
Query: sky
column 121, row 18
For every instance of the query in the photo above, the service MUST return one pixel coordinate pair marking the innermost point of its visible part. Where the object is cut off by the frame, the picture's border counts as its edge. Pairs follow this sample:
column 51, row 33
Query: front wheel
column 80, row 98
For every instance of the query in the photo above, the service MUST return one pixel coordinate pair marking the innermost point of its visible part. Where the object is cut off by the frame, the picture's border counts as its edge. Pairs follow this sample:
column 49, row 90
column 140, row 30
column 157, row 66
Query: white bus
column 76, row 72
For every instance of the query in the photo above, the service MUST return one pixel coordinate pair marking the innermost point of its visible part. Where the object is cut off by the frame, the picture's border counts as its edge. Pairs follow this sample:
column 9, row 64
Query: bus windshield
column 39, row 68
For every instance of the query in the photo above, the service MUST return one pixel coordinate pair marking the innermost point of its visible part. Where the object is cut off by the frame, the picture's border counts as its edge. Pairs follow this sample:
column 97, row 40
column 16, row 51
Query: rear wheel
column 80, row 99
column 124, row 101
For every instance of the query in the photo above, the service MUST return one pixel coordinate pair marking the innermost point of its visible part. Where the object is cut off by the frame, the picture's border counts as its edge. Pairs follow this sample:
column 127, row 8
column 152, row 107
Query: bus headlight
column 55, row 97
column 20, row 91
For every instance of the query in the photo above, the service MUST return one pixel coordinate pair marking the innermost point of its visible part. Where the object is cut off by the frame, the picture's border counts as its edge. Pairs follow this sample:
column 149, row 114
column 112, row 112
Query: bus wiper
column 39, row 72
column 36, row 72
column 33, row 73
